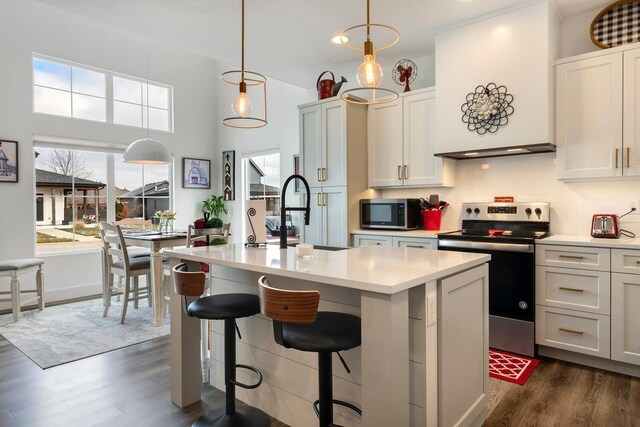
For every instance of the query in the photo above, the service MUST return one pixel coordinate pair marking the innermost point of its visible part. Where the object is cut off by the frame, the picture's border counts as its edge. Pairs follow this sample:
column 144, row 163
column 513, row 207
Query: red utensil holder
column 431, row 219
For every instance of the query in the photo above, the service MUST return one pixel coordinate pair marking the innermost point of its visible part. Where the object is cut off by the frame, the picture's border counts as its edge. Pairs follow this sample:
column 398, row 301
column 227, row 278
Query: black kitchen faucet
column 284, row 209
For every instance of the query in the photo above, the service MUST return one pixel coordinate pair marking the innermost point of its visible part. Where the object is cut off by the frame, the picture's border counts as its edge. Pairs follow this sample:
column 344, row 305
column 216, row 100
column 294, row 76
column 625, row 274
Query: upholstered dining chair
column 119, row 263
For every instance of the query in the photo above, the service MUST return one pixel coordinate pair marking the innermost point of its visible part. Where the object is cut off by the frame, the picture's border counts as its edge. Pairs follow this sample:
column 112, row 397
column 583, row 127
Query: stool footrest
column 337, row 402
column 248, row 386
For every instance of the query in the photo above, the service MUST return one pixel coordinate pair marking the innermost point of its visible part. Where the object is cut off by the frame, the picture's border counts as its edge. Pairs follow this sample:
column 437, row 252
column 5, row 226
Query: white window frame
column 109, row 75
column 109, row 150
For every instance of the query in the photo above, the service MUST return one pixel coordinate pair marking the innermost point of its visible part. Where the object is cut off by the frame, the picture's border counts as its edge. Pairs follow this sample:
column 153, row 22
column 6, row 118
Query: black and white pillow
column 618, row 26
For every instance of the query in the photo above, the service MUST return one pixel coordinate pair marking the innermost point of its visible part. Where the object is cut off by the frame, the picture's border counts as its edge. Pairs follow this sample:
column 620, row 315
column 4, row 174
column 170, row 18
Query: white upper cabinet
column 597, row 114
column 401, row 143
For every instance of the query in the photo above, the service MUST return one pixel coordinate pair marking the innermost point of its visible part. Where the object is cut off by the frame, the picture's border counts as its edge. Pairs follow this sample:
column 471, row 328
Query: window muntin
column 69, row 90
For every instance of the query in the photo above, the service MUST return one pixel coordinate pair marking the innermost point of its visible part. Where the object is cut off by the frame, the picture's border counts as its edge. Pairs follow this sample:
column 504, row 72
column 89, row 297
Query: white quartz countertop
column 380, row 269
column 432, row 234
column 582, row 240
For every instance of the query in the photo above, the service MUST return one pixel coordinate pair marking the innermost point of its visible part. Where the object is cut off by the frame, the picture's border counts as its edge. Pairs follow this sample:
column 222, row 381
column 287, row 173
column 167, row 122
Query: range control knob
column 523, row 305
column 527, row 211
column 468, row 210
column 476, row 210
column 538, row 211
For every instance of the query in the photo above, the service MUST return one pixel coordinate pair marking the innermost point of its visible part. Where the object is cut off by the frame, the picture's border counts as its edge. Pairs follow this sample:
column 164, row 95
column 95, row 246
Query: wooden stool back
column 286, row 305
column 188, row 283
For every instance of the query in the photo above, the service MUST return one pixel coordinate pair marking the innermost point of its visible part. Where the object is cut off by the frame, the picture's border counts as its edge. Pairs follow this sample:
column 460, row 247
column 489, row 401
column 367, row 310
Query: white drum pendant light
column 147, row 151
column 242, row 105
column 369, row 73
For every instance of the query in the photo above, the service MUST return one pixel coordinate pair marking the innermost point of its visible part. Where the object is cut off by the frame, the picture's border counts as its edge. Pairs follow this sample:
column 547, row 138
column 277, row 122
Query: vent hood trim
column 516, row 150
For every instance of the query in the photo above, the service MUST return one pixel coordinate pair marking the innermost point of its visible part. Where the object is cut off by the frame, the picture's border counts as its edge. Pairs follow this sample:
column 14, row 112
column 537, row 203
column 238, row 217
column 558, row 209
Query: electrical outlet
column 634, row 206
column 432, row 309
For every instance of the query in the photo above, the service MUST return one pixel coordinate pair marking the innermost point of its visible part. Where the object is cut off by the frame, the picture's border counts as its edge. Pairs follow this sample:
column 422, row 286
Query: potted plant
column 212, row 208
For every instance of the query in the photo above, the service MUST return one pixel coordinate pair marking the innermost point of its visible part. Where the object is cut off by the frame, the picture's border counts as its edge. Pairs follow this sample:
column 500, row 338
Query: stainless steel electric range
column 508, row 232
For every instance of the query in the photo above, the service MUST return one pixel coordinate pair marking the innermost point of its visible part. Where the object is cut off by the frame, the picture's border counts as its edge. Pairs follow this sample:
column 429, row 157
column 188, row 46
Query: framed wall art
column 196, row 173
column 8, row 161
column 229, row 175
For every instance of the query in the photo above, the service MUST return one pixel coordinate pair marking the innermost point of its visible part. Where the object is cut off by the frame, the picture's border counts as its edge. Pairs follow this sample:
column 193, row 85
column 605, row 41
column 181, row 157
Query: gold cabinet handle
column 617, row 158
column 318, row 198
column 318, row 174
column 406, row 172
column 637, row 262
column 415, row 246
column 324, row 174
column 399, row 171
column 628, row 155
column 571, row 256
column 325, row 199
column 571, row 289
column 571, row 331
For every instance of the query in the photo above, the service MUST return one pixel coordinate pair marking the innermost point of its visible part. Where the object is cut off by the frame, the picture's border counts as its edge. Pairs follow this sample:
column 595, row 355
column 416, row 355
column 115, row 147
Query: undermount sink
column 323, row 248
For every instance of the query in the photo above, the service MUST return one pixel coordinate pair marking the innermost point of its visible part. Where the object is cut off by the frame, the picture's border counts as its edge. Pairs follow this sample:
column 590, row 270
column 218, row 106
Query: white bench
column 15, row 267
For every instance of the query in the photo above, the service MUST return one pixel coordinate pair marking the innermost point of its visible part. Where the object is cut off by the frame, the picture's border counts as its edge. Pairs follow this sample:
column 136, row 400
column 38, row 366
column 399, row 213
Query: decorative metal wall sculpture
column 251, row 239
column 486, row 109
column 229, row 174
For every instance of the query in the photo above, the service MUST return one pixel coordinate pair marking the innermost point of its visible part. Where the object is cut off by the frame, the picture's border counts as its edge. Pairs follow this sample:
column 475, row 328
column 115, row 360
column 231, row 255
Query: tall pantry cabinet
column 333, row 151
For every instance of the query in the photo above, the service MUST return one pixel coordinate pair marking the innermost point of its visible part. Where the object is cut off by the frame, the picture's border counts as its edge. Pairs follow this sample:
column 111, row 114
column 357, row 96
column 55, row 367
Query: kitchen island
column 424, row 353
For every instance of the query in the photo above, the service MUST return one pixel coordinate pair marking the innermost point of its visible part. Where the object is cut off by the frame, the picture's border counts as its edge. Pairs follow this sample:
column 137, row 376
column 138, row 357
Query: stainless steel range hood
column 500, row 151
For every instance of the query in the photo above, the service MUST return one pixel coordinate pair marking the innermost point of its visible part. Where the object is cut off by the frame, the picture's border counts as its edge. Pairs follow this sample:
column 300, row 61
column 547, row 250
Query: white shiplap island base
column 413, row 369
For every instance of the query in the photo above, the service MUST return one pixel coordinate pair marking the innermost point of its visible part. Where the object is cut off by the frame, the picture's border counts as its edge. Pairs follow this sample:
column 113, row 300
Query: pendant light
column 369, row 73
column 147, row 151
column 242, row 106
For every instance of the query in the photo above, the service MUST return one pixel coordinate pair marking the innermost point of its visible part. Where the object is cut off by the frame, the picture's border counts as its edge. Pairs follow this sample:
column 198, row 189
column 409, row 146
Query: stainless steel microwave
column 391, row 214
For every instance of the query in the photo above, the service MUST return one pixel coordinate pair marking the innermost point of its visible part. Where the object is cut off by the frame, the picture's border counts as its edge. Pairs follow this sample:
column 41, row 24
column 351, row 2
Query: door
column 421, row 167
column 589, row 117
column 310, row 144
column 314, row 232
column 335, row 216
column 631, row 121
column 625, row 318
column 334, row 142
column 384, row 144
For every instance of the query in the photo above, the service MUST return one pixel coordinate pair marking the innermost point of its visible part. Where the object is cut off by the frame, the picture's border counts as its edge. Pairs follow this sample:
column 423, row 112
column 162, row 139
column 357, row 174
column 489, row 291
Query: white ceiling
column 289, row 40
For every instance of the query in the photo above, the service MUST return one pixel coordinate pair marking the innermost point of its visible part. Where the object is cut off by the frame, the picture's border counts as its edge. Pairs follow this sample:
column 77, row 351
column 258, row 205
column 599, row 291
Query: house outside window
column 77, row 189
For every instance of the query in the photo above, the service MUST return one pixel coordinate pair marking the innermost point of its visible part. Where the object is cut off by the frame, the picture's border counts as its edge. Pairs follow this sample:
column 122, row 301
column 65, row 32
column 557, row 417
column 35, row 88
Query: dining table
column 155, row 241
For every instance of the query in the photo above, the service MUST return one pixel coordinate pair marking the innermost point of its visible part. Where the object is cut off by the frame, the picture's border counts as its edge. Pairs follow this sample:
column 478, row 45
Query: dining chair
column 119, row 263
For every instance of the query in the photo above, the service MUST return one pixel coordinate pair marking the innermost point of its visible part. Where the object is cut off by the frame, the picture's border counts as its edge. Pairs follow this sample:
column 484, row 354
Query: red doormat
column 509, row 367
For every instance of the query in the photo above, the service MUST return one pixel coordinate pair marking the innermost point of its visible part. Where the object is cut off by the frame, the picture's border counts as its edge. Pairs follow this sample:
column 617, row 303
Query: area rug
column 510, row 367
column 64, row 333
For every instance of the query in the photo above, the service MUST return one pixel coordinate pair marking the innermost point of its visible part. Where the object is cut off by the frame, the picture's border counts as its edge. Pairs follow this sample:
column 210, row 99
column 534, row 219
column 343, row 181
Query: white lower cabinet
column 397, row 241
column 625, row 303
column 328, row 224
column 587, row 301
column 573, row 330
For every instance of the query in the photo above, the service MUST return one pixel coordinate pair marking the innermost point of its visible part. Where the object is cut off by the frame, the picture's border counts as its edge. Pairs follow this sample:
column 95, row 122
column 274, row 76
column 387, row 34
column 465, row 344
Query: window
column 77, row 188
column 70, row 91
column 65, row 89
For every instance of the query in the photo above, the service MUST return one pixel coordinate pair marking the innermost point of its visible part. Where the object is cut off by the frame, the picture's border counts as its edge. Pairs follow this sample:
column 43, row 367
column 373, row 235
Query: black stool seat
column 225, row 306
column 331, row 332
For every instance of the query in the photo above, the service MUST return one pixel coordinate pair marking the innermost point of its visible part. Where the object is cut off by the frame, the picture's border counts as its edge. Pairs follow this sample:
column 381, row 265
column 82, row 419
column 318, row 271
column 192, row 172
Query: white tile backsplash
column 532, row 178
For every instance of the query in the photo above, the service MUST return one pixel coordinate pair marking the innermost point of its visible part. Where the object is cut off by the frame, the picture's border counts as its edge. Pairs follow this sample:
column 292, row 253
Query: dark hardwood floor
column 564, row 394
column 127, row 387
column 130, row 387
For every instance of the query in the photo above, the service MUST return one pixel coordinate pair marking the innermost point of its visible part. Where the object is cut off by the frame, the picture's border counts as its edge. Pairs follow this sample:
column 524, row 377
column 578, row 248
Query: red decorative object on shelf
column 431, row 219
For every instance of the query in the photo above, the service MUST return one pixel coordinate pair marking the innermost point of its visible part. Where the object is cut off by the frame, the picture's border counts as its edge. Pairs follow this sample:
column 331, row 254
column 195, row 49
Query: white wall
column 280, row 134
column 34, row 27
column 532, row 178
column 575, row 38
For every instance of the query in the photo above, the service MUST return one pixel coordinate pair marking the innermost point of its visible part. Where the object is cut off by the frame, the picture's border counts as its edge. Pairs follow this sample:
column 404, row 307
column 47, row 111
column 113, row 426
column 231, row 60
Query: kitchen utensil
column 324, row 86
column 434, row 200
column 605, row 225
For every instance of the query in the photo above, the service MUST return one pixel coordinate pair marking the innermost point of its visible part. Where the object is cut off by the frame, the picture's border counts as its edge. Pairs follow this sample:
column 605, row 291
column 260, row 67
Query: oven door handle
column 500, row 247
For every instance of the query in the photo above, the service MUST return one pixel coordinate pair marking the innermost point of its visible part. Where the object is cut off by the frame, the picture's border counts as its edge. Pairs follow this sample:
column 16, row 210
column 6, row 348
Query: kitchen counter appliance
column 390, row 214
column 605, row 225
column 508, row 232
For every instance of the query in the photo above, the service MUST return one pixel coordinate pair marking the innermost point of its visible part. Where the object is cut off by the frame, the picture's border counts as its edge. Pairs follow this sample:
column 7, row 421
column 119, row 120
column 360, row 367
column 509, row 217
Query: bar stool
column 297, row 324
column 227, row 307
column 15, row 267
